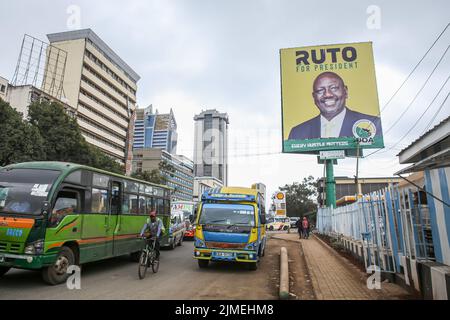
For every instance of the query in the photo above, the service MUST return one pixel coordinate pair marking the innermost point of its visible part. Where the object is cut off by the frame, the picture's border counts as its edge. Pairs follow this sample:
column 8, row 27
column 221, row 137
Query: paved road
column 178, row 278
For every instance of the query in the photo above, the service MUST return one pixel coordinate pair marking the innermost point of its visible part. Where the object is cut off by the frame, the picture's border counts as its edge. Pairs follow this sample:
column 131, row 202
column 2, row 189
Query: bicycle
column 148, row 258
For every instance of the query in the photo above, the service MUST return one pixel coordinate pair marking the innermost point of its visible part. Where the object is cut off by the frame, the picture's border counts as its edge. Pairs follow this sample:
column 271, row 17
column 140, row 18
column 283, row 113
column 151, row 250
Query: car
column 175, row 235
column 190, row 230
column 293, row 221
column 278, row 224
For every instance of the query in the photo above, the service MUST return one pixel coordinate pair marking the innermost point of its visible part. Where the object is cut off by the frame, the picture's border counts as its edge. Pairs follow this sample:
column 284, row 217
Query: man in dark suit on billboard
column 335, row 119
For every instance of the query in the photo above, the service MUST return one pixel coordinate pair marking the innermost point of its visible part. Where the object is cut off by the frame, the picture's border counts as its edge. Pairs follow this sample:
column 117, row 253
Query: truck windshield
column 24, row 190
column 227, row 214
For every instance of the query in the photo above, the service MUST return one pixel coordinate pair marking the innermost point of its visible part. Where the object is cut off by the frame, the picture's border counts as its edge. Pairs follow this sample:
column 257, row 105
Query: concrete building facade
column 347, row 190
column 3, row 88
column 148, row 159
column 20, row 97
column 211, row 145
column 202, row 184
column 101, row 87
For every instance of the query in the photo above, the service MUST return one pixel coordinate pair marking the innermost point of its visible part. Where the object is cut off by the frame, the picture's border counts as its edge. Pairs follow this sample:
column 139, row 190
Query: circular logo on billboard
column 364, row 131
column 280, row 196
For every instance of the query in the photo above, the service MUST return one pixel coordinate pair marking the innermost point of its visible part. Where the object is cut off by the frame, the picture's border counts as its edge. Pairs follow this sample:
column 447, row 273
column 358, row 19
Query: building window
column 2, row 88
column 207, row 170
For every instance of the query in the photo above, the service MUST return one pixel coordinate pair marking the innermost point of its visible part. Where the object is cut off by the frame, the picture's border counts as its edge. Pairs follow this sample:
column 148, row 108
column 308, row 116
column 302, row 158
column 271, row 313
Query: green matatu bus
column 55, row 214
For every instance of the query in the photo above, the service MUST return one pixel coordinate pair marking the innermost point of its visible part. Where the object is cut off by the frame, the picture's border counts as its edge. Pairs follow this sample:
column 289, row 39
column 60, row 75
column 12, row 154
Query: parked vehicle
column 278, row 224
column 293, row 221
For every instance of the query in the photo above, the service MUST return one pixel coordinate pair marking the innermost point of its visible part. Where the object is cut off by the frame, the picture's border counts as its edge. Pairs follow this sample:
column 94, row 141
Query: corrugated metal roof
column 425, row 134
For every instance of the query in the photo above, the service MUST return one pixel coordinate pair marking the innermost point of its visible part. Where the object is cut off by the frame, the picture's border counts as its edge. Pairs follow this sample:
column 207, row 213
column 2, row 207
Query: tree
column 159, row 176
column 299, row 197
column 153, row 176
column 19, row 141
column 62, row 138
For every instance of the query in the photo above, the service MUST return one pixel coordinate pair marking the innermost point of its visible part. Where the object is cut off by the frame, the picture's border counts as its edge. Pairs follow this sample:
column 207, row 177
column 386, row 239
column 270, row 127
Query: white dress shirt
column 332, row 129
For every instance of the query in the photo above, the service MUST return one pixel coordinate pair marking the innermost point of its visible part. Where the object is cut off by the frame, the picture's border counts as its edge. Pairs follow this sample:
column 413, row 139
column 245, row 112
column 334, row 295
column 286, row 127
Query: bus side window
column 160, row 206
column 99, row 201
column 151, row 206
column 67, row 202
column 115, row 198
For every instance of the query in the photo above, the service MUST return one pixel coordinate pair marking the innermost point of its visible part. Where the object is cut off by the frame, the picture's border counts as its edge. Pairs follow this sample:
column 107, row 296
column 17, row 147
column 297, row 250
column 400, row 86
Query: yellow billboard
column 329, row 98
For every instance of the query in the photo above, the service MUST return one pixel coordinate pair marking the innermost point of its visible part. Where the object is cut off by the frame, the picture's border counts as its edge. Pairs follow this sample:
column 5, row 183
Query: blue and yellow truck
column 230, row 226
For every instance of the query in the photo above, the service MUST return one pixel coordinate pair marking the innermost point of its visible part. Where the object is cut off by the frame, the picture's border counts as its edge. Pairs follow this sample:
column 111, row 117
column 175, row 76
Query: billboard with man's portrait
column 329, row 98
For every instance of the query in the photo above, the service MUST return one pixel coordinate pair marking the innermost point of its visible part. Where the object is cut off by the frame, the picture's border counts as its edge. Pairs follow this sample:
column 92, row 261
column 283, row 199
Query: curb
column 284, row 274
column 277, row 238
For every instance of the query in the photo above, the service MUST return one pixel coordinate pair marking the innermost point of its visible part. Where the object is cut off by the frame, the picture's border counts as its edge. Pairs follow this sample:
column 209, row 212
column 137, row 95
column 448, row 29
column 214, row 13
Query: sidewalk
column 336, row 278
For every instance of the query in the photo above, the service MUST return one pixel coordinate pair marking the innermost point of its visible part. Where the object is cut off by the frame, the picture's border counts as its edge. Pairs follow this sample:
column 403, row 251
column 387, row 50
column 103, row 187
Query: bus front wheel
column 203, row 263
column 57, row 273
column 4, row 270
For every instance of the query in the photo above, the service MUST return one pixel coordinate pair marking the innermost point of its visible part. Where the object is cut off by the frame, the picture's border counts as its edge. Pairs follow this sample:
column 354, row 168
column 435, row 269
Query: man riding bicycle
column 154, row 227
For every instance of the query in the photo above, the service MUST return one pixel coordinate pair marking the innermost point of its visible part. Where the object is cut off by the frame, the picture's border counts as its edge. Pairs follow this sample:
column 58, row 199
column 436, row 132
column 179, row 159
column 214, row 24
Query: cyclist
column 155, row 227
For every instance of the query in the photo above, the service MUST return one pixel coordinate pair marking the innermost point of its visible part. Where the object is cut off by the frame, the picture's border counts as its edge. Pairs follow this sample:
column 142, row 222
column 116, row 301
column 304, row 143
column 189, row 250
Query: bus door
column 114, row 218
column 94, row 235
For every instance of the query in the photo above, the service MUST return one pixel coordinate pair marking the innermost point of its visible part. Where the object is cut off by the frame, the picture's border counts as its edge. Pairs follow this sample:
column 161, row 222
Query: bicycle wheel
column 155, row 263
column 143, row 264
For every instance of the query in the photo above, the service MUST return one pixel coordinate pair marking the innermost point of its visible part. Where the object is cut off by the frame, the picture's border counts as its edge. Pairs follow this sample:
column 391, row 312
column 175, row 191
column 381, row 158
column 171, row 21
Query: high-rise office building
column 181, row 179
column 100, row 86
column 154, row 130
column 211, row 145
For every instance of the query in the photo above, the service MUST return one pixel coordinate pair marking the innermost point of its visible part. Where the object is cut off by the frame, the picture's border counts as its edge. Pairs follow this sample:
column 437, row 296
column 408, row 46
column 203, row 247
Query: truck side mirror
column 263, row 219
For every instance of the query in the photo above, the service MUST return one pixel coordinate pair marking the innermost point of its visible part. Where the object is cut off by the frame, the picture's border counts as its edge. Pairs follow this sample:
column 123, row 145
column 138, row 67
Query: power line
column 416, row 66
column 418, row 92
column 435, row 115
column 420, row 117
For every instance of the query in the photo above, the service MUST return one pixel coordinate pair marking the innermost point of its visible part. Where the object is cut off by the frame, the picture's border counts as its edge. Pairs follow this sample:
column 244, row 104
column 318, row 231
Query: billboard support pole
column 358, row 185
column 330, row 185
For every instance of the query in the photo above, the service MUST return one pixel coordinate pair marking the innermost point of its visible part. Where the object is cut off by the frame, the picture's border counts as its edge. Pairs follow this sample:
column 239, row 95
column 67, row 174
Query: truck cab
column 230, row 226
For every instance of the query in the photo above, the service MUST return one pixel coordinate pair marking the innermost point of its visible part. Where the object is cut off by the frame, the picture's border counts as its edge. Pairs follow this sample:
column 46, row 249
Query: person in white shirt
column 335, row 119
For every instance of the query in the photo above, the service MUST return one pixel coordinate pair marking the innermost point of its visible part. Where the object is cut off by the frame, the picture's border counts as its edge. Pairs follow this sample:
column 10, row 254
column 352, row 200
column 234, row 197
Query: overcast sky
column 194, row 55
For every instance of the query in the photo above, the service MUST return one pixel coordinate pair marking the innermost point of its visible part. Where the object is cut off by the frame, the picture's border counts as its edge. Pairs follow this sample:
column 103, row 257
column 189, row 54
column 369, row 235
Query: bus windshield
column 23, row 190
column 227, row 214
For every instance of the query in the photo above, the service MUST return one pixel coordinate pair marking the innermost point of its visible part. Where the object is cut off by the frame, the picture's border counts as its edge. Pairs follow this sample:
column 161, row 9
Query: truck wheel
column 253, row 266
column 57, row 273
column 4, row 270
column 262, row 250
column 203, row 263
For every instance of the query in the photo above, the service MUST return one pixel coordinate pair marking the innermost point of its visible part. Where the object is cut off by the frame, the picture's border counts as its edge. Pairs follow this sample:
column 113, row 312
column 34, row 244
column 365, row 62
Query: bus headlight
column 199, row 243
column 36, row 247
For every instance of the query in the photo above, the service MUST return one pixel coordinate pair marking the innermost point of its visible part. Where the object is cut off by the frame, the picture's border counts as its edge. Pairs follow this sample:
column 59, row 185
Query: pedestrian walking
column 305, row 225
column 299, row 226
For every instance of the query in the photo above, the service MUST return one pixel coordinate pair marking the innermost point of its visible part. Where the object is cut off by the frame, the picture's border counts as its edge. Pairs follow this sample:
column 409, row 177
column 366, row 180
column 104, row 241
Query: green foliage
column 299, row 197
column 159, row 176
column 19, row 141
column 150, row 176
column 48, row 135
